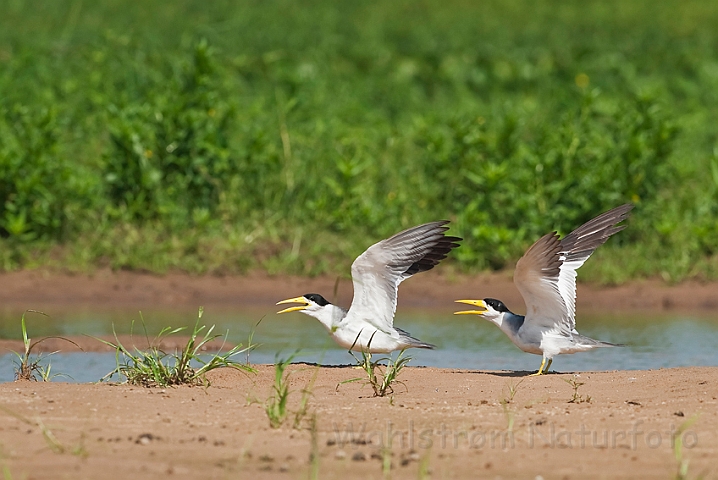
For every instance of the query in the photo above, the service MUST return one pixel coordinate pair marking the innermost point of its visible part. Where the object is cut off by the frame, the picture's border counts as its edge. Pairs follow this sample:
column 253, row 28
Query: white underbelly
column 546, row 342
column 367, row 338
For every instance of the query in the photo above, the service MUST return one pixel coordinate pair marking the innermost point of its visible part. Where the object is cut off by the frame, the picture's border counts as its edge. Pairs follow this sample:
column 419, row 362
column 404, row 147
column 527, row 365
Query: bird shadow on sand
column 515, row 373
column 348, row 365
column 313, row 364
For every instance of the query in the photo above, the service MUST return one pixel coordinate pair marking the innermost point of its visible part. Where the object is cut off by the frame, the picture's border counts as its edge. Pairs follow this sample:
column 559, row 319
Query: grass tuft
column 276, row 404
column 380, row 377
column 30, row 366
column 157, row 368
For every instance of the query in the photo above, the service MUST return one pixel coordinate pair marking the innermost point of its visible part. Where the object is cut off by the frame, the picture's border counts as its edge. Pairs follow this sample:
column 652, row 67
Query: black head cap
column 316, row 298
column 497, row 305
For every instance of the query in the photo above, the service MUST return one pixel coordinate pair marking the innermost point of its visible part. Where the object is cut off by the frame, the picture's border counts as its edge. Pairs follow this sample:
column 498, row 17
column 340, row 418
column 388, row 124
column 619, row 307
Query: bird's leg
column 549, row 365
column 540, row 370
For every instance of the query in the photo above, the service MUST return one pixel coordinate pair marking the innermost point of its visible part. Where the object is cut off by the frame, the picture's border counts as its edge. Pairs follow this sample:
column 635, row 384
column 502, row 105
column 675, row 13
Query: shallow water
column 652, row 340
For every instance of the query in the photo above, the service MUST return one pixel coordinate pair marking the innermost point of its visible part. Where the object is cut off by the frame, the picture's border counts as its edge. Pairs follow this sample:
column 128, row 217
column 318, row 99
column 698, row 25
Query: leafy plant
column 170, row 157
column 379, row 377
column 36, row 183
column 575, row 384
column 223, row 147
column 156, row 368
column 29, row 368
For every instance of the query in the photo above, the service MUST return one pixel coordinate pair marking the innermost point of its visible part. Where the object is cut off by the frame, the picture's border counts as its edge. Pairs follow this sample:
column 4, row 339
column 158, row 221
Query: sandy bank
column 451, row 423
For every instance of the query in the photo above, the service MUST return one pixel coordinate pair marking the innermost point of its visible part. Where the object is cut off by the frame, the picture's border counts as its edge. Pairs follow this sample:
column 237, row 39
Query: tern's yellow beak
column 477, row 303
column 295, row 308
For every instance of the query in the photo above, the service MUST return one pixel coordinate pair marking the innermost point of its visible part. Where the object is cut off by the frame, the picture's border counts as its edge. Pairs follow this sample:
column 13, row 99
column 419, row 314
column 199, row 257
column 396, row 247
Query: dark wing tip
column 435, row 254
column 594, row 233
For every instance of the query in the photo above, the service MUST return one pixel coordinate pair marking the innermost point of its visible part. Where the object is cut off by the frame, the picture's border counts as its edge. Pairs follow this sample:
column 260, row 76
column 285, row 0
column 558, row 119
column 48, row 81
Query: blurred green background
column 288, row 136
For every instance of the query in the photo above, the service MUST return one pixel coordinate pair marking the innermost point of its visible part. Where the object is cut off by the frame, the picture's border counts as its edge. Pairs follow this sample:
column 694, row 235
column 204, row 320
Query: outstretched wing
column 536, row 278
column 546, row 274
column 578, row 245
column 378, row 271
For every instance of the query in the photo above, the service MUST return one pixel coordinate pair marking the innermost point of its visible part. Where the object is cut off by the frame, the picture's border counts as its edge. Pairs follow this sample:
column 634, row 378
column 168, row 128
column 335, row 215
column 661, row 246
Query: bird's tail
column 412, row 342
column 595, row 343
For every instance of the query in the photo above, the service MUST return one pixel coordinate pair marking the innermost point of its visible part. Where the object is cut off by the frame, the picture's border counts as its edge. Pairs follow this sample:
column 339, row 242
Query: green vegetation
column 276, row 404
column 380, row 377
column 154, row 367
column 424, row 468
column 304, row 402
column 386, row 454
column 677, row 444
column 314, row 451
column 509, row 412
column 575, row 384
column 511, row 390
column 288, row 136
column 31, row 366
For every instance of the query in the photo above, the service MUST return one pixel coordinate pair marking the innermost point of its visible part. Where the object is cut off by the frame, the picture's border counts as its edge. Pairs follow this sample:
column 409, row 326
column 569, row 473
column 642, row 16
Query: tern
column 546, row 278
column 368, row 325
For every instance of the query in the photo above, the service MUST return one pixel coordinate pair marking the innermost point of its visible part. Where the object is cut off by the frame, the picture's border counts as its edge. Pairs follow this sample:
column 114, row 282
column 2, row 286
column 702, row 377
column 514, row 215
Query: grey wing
column 546, row 274
column 377, row 273
column 578, row 245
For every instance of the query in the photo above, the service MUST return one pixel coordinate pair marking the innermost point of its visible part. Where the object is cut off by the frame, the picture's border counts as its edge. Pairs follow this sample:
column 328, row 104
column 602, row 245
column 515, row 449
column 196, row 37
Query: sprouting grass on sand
column 380, row 377
column 30, row 366
column 153, row 367
column 276, row 404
